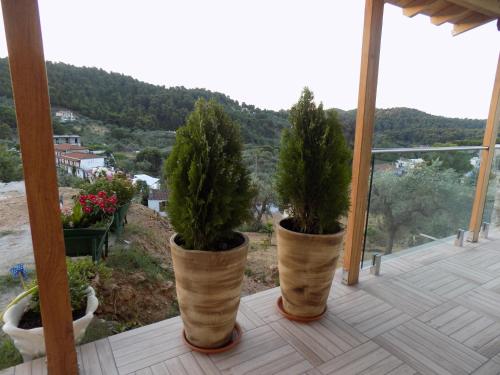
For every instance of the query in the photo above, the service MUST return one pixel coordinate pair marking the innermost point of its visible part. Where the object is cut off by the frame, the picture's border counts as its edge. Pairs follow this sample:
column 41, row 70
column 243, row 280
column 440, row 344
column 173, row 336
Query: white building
column 152, row 182
column 404, row 165
column 157, row 201
column 77, row 160
column 69, row 139
column 475, row 162
column 65, row 116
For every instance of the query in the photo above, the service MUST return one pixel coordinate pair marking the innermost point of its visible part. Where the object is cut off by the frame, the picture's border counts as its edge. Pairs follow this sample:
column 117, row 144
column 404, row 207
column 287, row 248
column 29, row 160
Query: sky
column 264, row 52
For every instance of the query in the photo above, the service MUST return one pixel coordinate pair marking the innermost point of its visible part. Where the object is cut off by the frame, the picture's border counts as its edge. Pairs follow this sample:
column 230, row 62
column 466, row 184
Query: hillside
column 120, row 101
column 124, row 101
column 405, row 127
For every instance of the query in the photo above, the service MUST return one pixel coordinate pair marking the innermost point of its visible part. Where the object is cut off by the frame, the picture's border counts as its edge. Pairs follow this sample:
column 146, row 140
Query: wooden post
column 365, row 118
column 489, row 140
column 31, row 97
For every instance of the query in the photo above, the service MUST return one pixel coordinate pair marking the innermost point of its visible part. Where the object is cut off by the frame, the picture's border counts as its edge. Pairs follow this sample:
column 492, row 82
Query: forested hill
column 124, row 101
column 404, row 127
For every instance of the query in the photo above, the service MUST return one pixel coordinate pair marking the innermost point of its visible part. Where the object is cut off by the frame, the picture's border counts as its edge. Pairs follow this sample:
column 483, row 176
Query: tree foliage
column 209, row 186
column 314, row 168
column 10, row 165
column 150, row 161
column 5, row 132
column 426, row 199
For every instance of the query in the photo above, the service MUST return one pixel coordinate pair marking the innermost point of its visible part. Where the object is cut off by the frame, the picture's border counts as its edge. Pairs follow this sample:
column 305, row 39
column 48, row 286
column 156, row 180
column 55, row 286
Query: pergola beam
column 418, row 6
column 487, row 7
column 365, row 118
column 489, row 140
column 31, row 98
column 451, row 14
column 470, row 23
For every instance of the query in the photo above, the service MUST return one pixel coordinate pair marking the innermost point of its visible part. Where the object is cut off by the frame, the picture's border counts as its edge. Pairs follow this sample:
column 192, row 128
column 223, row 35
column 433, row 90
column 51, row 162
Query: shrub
column 209, row 186
column 119, row 184
column 314, row 169
column 80, row 274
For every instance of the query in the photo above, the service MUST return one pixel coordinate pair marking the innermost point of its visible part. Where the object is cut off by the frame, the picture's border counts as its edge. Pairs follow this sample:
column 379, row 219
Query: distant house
column 69, row 139
column 405, row 165
column 152, row 182
column 157, row 201
column 475, row 162
column 65, row 116
column 77, row 160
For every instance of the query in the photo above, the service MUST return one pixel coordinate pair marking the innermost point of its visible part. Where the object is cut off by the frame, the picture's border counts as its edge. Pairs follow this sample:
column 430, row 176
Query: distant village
column 72, row 158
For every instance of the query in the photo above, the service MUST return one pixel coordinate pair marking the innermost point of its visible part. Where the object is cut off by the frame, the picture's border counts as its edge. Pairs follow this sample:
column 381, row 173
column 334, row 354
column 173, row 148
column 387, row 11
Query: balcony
column 435, row 310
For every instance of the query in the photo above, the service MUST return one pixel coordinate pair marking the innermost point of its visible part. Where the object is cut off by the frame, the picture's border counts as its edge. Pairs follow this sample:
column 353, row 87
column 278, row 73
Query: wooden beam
column 486, row 7
column 365, row 118
column 418, row 6
column 451, row 14
column 399, row 3
column 436, row 7
column 31, row 98
column 469, row 23
column 489, row 140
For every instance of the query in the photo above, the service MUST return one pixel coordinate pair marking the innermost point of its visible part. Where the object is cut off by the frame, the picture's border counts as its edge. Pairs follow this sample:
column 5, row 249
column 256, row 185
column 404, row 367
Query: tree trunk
column 390, row 242
column 260, row 213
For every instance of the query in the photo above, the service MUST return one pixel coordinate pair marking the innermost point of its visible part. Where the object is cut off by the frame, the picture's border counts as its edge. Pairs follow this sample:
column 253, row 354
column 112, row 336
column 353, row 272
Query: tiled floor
column 435, row 311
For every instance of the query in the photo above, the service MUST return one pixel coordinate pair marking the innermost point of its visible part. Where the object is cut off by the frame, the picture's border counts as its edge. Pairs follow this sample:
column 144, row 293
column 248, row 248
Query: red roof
column 80, row 156
column 67, row 146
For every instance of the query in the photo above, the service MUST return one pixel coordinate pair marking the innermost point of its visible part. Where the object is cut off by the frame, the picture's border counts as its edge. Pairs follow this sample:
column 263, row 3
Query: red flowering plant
column 90, row 210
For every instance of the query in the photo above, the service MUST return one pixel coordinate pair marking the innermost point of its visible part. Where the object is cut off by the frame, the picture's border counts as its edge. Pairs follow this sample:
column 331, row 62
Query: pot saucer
column 301, row 319
column 235, row 339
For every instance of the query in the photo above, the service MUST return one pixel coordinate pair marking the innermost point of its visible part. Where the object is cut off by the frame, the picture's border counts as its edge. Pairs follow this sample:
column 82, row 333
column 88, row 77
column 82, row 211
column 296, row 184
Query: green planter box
column 119, row 219
column 87, row 241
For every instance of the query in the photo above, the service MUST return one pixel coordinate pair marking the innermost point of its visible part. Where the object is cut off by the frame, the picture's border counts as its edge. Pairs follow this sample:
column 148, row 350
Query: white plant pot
column 30, row 342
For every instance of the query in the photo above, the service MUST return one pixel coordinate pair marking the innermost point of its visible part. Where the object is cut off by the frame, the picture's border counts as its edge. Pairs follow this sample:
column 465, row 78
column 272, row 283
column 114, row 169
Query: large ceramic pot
column 30, row 342
column 306, row 264
column 208, row 287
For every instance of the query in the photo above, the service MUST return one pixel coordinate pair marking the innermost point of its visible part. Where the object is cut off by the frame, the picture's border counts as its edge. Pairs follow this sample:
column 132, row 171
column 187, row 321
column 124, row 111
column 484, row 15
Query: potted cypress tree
column 313, row 177
column 209, row 196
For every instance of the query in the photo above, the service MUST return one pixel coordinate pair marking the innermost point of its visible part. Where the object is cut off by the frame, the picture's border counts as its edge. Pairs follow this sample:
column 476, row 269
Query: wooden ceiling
column 463, row 14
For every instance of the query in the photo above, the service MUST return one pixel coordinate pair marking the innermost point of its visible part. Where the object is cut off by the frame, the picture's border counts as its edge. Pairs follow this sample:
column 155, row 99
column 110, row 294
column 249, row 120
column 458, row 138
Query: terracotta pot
column 306, row 264
column 208, row 287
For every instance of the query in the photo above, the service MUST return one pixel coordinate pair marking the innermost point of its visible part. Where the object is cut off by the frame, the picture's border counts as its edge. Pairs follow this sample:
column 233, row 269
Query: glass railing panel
column 492, row 205
column 418, row 197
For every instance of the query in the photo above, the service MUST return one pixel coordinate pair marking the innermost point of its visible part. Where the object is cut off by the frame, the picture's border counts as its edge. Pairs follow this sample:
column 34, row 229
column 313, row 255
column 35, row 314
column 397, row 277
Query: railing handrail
column 402, row 150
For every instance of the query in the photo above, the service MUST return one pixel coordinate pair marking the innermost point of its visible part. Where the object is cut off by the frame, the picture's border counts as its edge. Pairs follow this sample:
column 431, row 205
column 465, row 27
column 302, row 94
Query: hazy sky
column 263, row 52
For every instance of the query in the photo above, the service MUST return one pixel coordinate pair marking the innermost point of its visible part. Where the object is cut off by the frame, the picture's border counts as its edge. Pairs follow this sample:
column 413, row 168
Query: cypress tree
column 209, row 186
column 314, row 169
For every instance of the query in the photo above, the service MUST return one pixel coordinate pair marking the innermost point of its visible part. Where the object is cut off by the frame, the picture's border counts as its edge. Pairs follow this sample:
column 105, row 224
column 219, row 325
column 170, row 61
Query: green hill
column 404, row 127
column 124, row 102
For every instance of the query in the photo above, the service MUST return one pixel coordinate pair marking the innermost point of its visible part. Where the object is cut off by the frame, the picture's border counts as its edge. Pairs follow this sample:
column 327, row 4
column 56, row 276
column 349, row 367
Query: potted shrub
column 113, row 184
column 23, row 320
column 209, row 196
column 313, row 177
column 86, row 225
